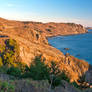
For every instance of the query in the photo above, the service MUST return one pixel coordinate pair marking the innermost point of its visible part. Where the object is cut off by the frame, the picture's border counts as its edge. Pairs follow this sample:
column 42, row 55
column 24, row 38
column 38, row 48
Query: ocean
column 79, row 45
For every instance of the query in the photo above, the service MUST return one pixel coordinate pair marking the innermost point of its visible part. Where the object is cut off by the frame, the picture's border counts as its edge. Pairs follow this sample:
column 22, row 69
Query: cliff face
column 31, row 37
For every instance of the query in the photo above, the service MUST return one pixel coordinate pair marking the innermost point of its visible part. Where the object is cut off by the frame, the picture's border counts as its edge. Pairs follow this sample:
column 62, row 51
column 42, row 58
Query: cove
column 79, row 46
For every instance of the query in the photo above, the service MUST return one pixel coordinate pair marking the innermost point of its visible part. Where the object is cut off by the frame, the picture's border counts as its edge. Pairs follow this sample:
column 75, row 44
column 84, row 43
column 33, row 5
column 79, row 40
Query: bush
column 3, row 69
column 56, row 75
column 6, row 87
column 14, row 71
column 37, row 70
column 75, row 84
column 9, row 53
column 49, row 30
column 64, row 76
column 21, row 66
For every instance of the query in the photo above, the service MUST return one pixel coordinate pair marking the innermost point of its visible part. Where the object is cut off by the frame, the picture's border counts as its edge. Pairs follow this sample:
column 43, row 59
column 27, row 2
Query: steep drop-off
column 32, row 40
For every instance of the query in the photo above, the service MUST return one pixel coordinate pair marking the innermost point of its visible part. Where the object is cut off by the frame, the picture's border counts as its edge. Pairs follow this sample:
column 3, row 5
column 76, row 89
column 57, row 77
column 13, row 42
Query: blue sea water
column 79, row 46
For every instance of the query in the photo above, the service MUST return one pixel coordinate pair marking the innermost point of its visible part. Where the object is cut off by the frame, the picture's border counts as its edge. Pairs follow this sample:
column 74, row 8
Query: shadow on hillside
column 3, row 36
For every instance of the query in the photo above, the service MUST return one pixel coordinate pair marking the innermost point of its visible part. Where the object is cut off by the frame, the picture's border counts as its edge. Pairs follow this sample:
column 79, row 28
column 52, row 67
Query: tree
column 56, row 75
column 37, row 70
column 14, row 71
column 54, row 79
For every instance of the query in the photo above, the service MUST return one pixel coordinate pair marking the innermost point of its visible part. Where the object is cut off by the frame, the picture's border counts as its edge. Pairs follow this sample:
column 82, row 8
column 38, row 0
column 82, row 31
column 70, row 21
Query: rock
column 67, row 54
column 66, row 48
column 90, row 86
column 78, row 55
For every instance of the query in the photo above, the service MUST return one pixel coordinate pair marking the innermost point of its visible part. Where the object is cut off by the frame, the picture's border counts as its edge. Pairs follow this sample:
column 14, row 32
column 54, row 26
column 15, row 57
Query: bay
column 79, row 46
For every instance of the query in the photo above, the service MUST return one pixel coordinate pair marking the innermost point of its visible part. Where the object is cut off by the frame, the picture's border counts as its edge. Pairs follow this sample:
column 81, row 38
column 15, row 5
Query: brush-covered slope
column 31, row 38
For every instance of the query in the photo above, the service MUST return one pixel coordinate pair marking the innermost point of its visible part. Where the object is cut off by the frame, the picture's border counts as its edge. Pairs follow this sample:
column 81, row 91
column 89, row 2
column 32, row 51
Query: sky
column 77, row 11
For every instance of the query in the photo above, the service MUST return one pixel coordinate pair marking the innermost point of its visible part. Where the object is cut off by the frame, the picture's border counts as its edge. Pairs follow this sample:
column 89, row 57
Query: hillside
column 32, row 40
column 89, row 28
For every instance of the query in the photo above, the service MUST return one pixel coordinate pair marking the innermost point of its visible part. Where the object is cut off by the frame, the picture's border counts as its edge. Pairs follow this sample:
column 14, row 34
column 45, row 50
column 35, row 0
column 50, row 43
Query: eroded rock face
column 31, row 37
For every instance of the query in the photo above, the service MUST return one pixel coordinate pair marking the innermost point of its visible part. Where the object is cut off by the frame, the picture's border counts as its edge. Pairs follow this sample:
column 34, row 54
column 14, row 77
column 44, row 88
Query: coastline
column 67, row 47
column 51, row 36
column 32, row 42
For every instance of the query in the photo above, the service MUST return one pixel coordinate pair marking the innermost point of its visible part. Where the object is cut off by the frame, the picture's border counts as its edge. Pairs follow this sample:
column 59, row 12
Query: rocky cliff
column 32, row 40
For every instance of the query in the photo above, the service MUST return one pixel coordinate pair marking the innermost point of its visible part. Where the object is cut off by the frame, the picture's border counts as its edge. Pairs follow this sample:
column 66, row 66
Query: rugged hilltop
column 32, row 40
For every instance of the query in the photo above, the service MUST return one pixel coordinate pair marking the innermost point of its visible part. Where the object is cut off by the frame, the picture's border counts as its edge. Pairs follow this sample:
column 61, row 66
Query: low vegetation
column 10, row 64
column 9, row 53
column 6, row 87
column 49, row 30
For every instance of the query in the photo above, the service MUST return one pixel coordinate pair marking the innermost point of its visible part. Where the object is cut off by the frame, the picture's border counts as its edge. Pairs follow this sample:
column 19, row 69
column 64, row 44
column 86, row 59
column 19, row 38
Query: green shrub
column 56, row 75
column 37, row 70
column 3, row 69
column 49, row 30
column 64, row 76
column 6, row 87
column 9, row 53
column 75, row 84
column 14, row 71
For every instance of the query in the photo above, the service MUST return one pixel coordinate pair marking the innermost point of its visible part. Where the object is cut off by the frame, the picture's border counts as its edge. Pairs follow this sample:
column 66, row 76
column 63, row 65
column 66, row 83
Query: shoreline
column 51, row 36
column 47, row 37
column 62, row 51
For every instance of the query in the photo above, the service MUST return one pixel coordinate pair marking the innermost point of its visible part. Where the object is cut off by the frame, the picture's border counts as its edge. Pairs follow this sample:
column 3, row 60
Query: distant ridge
column 88, row 27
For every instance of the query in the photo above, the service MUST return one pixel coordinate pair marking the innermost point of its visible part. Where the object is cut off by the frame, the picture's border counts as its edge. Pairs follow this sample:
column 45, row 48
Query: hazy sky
column 78, row 11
